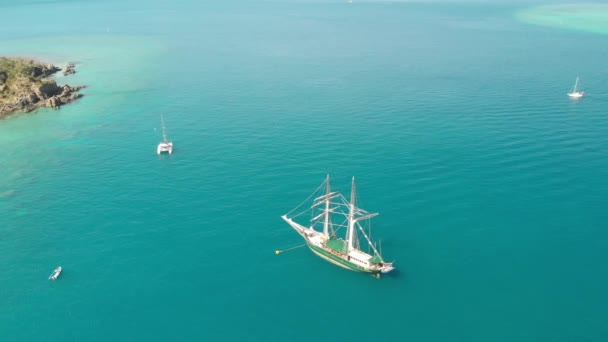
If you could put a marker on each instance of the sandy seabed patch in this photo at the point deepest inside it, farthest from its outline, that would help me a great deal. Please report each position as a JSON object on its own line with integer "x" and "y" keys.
{"x": 582, "y": 17}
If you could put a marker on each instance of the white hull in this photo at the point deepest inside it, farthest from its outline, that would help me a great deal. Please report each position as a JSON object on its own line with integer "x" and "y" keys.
{"x": 164, "y": 147}
{"x": 387, "y": 269}
{"x": 576, "y": 95}
{"x": 55, "y": 273}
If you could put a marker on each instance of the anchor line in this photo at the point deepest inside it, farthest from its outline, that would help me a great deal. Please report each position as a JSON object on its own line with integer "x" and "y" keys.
{"x": 279, "y": 251}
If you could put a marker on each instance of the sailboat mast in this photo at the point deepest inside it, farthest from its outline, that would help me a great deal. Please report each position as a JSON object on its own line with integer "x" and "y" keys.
{"x": 575, "y": 85}
{"x": 163, "y": 122}
{"x": 326, "y": 223}
{"x": 351, "y": 218}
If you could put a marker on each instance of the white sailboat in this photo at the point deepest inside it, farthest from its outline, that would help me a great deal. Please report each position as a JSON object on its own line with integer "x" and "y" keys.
{"x": 164, "y": 146}
{"x": 575, "y": 94}
{"x": 347, "y": 252}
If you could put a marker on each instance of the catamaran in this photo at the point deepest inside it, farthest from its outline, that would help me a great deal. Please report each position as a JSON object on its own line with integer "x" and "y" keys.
{"x": 164, "y": 146}
{"x": 576, "y": 94}
{"x": 345, "y": 252}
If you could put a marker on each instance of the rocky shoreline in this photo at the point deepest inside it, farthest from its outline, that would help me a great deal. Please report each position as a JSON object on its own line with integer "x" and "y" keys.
{"x": 25, "y": 86}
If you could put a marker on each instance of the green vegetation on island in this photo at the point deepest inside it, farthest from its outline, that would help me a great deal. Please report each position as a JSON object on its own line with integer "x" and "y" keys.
{"x": 25, "y": 86}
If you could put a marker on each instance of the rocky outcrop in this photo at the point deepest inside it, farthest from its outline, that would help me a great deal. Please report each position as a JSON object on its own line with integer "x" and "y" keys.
{"x": 66, "y": 95}
{"x": 46, "y": 89}
{"x": 47, "y": 94}
{"x": 53, "y": 102}
{"x": 69, "y": 69}
{"x": 24, "y": 87}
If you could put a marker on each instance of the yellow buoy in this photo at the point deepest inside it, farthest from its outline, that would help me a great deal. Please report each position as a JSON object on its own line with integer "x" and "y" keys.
{"x": 277, "y": 252}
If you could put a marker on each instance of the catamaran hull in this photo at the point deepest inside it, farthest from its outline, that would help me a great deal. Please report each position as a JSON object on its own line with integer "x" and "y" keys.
{"x": 162, "y": 148}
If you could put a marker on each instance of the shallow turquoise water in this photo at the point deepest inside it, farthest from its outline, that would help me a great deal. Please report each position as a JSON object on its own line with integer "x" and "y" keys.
{"x": 491, "y": 184}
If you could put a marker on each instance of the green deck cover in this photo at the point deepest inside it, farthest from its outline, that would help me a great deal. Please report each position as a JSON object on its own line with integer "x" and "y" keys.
{"x": 337, "y": 245}
{"x": 376, "y": 259}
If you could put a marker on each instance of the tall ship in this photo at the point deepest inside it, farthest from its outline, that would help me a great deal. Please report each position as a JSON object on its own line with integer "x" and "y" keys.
{"x": 331, "y": 212}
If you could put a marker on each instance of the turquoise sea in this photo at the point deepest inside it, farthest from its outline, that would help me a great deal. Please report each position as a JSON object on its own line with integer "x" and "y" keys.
{"x": 492, "y": 185}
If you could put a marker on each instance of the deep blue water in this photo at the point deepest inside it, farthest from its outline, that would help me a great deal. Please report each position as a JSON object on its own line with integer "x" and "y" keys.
{"x": 491, "y": 184}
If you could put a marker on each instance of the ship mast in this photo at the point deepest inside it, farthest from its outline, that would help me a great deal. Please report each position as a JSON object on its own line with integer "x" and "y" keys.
{"x": 326, "y": 223}
{"x": 351, "y": 218}
{"x": 163, "y": 122}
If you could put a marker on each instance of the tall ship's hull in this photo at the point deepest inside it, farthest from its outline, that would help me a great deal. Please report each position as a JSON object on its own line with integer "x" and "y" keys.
{"x": 345, "y": 253}
{"x": 339, "y": 259}
{"x": 334, "y": 250}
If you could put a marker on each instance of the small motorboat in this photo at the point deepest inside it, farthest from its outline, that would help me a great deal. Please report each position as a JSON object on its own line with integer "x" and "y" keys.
{"x": 55, "y": 273}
